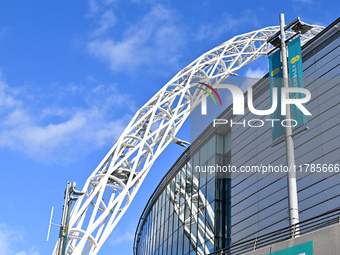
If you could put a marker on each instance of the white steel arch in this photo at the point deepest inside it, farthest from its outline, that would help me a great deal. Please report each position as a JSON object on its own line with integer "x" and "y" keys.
{"x": 113, "y": 184}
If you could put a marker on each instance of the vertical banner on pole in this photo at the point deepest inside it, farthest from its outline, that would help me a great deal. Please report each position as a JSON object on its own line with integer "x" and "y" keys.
{"x": 275, "y": 81}
{"x": 296, "y": 78}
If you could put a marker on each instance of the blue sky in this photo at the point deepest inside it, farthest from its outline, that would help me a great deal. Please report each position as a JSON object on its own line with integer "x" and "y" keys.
{"x": 72, "y": 74}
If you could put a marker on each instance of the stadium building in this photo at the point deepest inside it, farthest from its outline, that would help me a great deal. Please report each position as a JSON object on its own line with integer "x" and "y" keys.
{"x": 199, "y": 211}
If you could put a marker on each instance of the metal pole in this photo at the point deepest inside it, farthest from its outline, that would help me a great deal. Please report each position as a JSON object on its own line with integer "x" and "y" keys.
{"x": 63, "y": 229}
{"x": 69, "y": 206}
{"x": 292, "y": 188}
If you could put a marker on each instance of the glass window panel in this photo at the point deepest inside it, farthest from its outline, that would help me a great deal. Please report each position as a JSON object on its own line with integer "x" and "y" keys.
{"x": 203, "y": 196}
{"x": 164, "y": 248}
{"x": 212, "y": 147}
{"x": 203, "y": 176}
{"x": 193, "y": 229}
{"x": 156, "y": 240}
{"x": 171, "y": 208}
{"x": 160, "y": 249}
{"x": 188, "y": 192}
{"x": 182, "y": 198}
{"x": 175, "y": 221}
{"x": 183, "y": 191}
{"x": 186, "y": 243}
{"x": 211, "y": 190}
{"x": 227, "y": 142}
{"x": 180, "y": 223}
{"x": 163, "y": 215}
{"x": 202, "y": 221}
{"x": 211, "y": 172}
{"x": 218, "y": 189}
{"x": 178, "y": 179}
{"x": 186, "y": 171}
{"x": 153, "y": 213}
{"x": 199, "y": 247}
{"x": 210, "y": 215}
{"x": 170, "y": 244}
{"x": 158, "y": 220}
{"x": 156, "y": 213}
{"x": 164, "y": 197}
{"x": 174, "y": 242}
{"x": 210, "y": 245}
{"x": 177, "y": 195}
{"x": 157, "y": 205}
{"x": 189, "y": 169}
{"x": 166, "y": 209}
{"x": 152, "y": 245}
{"x": 196, "y": 160}
{"x": 194, "y": 201}
{"x": 218, "y": 219}
{"x": 219, "y": 160}
{"x": 160, "y": 199}
{"x": 203, "y": 154}
{"x": 219, "y": 144}
{"x": 187, "y": 214}
{"x": 161, "y": 234}
{"x": 155, "y": 224}
{"x": 171, "y": 223}
{"x": 180, "y": 241}
{"x": 166, "y": 229}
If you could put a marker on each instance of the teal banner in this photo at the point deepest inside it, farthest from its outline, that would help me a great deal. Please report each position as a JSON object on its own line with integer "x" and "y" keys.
{"x": 301, "y": 249}
{"x": 275, "y": 81}
{"x": 296, "y": 78}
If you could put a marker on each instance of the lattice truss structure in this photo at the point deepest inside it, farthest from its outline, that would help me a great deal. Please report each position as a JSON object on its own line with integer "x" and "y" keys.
{"x": 114, "y": 183}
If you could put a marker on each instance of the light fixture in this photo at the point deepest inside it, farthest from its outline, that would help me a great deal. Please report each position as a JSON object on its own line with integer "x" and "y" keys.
{"x": 301, "y": 27}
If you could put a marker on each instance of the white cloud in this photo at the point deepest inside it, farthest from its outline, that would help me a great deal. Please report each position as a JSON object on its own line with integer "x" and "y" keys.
{"x": 256, "y": 73}
{"x": 6, "y": 100}
{"x": 3, "y": 32}
{"x": 304, "y": 1}
{"x": 96, "y": 6}
{"x": 93, "y": 7}
{"x": 107, "y": 20}
{"x": 155, "y": 38}
{"x": 10, "y": 239}
{"x": 57, "y": 132}
{"x": 32, "y": 251}
{"x": 251, "y": 77}
{"x": 119, "y": 236}
{"x": 218, "y": 27}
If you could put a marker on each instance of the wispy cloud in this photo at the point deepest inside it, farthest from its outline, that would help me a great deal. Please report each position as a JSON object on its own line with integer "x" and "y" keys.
{"x": 256, "y": 73}
{"x": 304, "y": 1}
{"x": 154, "y": 38}
{"x": 60, "y": 130}
{"x": 106, "y": 21}
{"x": 10, "y": 239}
{"x": 251, "y": 77}
{"x": 218, "y": 27}
{"x": 3, "y": 32}
{"x": 119, "y": 236}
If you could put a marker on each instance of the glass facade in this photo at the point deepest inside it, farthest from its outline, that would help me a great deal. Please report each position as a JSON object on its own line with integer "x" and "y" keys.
{"x": 191, "y": 213}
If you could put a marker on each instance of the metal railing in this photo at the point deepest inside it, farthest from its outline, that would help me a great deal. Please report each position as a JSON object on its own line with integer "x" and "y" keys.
{"x": 321, "y": 221}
